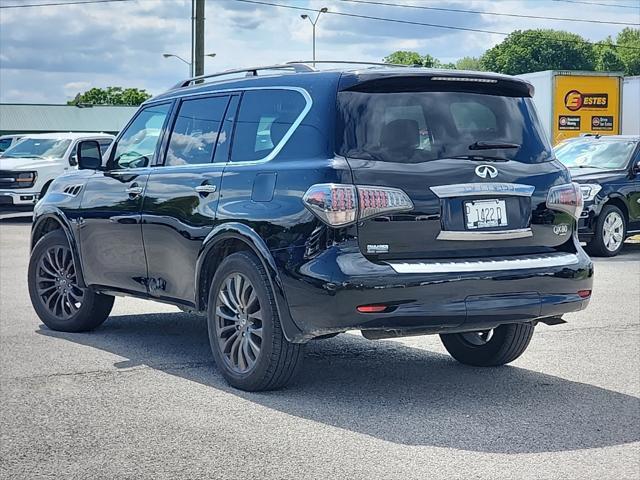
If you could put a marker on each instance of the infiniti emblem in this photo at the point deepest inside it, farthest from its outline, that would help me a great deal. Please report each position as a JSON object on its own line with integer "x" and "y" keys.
{"x": 484, "y": 171}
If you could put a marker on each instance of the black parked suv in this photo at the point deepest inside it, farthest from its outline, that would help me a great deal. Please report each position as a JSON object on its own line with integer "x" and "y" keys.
{"x": 294, "y": 204}
{"x": 608, "y": 171}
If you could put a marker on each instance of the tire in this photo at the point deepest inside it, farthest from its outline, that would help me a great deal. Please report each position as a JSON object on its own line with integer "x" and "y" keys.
{"x": 240, "y": 322}
{"x": 489, "y": 348}
{"x": 608, "y": 244}
{"x": 57, "y": 299}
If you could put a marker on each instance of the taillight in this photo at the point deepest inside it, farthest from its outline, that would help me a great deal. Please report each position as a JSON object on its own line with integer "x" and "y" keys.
{"x": 376, "y": 200}
{"x": 339, "y": 205}
{"x": 566, "y": 198}
{"x": 333, "y": 203}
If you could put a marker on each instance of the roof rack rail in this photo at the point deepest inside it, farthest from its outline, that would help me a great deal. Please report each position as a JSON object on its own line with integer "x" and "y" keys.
{"x": 347, "y": 62}
{"x": 251, "y": 71}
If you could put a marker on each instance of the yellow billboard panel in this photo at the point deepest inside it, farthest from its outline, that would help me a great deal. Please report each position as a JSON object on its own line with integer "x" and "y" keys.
{"x": 585, "y": 104}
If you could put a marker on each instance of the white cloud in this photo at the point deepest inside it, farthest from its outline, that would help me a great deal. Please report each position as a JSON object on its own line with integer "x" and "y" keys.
{"x": 51, "y": 53}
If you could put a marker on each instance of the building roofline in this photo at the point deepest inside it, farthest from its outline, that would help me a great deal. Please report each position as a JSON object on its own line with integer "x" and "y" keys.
{"x": 62, "y": 105}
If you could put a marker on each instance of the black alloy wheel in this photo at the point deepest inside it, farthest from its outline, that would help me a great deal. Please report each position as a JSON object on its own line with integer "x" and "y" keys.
{"x": 55, "y": 292}
{"x": 239, "y": 323}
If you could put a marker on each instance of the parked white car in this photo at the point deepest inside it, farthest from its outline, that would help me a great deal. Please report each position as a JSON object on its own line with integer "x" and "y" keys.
{"x": 28, "y": 167}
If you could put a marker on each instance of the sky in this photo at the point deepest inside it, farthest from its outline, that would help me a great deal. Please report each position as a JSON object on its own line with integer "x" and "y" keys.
{"x": 50, "y": 53}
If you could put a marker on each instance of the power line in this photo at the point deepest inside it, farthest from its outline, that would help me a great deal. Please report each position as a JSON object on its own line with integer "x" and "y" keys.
{"x": 56, "y": 4}
{"x": 369, "y": 17}
{"x": 423, "y": 24}
{"x": 598, "y": 4}
{"x": 480, "y": 12}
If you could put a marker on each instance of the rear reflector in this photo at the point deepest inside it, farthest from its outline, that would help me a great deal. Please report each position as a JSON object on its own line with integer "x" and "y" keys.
{"x": 584, "y": 293}
{"x": 339, "y": 204}
{"x": 371, "y": 308}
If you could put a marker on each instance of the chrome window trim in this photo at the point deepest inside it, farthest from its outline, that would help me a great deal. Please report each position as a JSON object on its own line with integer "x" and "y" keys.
{"x": 468, "y": 235}
{"x": 497, "y": 264}
{"x": 483, "y": 189}
{"x": 284, "y": 140}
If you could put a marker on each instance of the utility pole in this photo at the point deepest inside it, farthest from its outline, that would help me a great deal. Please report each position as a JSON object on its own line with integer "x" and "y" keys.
{"x": 198, "y": 61}
{"x": 193, "y": 20}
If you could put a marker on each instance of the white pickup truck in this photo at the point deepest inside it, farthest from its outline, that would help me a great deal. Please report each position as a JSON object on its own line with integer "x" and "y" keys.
{"x": 28, "y": 167}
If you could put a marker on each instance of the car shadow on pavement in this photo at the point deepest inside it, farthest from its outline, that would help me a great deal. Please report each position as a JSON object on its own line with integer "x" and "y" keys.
{"x": 630, "y": 252}
{"x": 393, "y": 392}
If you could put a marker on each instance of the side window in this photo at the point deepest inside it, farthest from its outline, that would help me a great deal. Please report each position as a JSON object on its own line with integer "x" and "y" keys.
{"x": 138, "y": 143}
{"x": 4, "y": 144}
{"x": 264, "y": 118}
{"x": 196, "y": 131}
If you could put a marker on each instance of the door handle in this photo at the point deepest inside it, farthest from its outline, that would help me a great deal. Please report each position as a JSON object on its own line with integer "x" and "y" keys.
{"x": 134, "y": 190}
{"x": 206, "y": 188}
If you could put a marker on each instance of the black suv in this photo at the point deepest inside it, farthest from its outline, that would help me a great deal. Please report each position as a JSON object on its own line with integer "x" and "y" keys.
{"x": 608, "y": 170}
{"x": 293, "y": 204}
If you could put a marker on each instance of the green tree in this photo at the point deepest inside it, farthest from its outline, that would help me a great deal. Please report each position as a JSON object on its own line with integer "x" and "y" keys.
{"x": 111, "y": 96}
{"x": 469, "y": 63}
{"x": 535, "y": 50}
{"x": 607, "y": 58}
{"x": 629, "y": 37}
{"x": 403, "y": 57}
{"x": 430, "y": 62}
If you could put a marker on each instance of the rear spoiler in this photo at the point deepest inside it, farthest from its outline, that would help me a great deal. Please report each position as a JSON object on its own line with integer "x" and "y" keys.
{"x": 490, "y": 84}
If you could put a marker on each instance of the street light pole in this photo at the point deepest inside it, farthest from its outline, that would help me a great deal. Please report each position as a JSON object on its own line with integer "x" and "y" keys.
{"x": 313, "y": 25}
{"x": 189, "y": 64}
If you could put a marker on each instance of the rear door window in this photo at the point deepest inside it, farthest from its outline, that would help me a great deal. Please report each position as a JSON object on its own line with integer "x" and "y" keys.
{"x": 264, "y": 118}
{"x": 196, "y": 131}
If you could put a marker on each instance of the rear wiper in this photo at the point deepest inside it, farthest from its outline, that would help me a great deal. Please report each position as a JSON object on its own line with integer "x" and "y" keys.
{"x": 492, "y": 145}
{"x": 481, "y": 158}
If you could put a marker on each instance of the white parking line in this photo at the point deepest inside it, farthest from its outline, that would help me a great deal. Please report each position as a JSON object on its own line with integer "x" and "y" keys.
{"x": 7, "y": 216}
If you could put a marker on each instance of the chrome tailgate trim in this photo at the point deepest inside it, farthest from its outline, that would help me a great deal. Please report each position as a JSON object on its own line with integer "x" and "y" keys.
{"x": 496, "y": 264}
{"x": 474, "y": 235}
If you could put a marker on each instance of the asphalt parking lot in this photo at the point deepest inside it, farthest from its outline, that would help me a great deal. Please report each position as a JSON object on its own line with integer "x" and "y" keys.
{"x": 141, "y": 398}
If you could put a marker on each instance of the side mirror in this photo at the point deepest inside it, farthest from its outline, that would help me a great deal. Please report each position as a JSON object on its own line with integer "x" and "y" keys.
{"x": 89, "y": 156}
{"x": 636, "y": 168}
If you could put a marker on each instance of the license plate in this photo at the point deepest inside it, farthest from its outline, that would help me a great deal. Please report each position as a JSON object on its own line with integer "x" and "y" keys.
{"x": 486, "y": 213}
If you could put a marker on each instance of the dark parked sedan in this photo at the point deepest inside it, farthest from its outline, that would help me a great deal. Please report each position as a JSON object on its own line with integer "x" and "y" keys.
{"x": 608, "y": 171}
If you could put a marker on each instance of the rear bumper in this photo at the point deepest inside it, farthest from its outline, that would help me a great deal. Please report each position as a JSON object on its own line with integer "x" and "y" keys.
{"x": 323, "y": 293}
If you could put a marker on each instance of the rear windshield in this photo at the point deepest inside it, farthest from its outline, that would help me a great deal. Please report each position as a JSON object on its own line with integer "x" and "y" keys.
{"x": 414, "y": 127}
